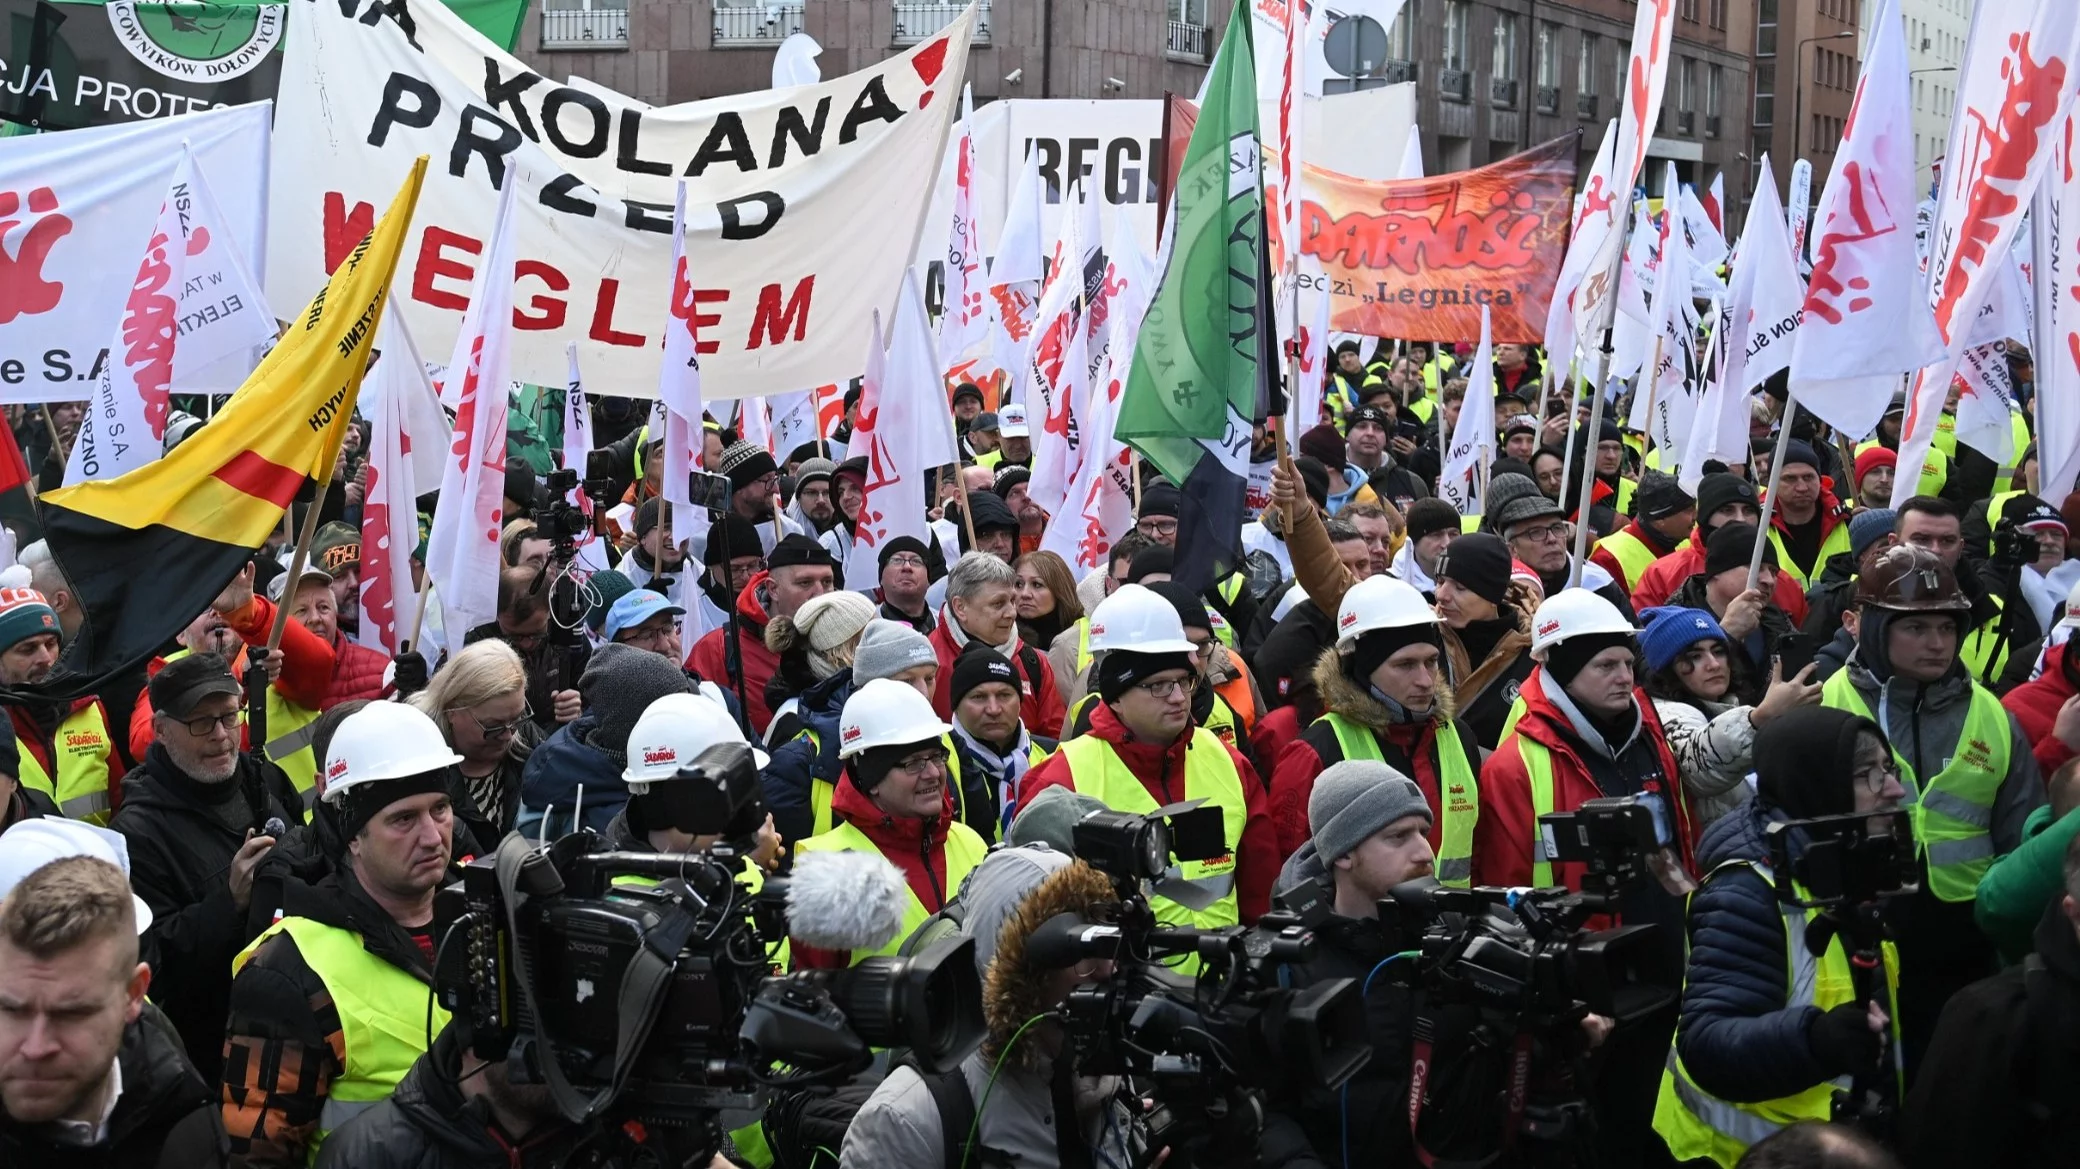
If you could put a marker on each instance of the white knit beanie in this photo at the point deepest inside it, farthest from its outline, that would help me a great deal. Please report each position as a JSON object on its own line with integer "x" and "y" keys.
{"x": 833, "y": 619}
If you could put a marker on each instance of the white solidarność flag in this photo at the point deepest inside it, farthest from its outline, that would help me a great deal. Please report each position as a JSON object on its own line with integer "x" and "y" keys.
{"x": 192, "y": 304}
{"x": 2013, "y": 92}
{"x": 1603, "y": 208}
{"x": 462, "y": 550}
{"x": 1797, "y": 205}
{"x": 577, "y": 424}
{"x": 903, "y": 426}
{"x": 779, "y": 183}
{"x": 1014, "y": 282}
{"x": 964, "y": 325}
{"x": 2055, "y": 224}
{"x": 679, "y": 390}
{"x": 1666, "y": 419}
{"x": 77, "y": 208}
{"x": 1473, "y": 439}
{"x": 1561, "y": 339}
{"x": 1305, "y": 408}
{"x": 1058, "y": 379}
{"x": 1867, "y": 320}
{"x": 405, "y": 420}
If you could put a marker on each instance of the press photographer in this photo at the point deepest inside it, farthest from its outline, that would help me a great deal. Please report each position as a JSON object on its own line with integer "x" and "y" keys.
{"x": 1776, "y": 1021}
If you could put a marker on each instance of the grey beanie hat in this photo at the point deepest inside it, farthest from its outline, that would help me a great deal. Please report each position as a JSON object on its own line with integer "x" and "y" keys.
{"x": 813, "y": 469}
{"x": 992, "y": 893}
{"x": 1512, "y": 499}
{"x": 1050, "y": 818}
{"x": 1356, "y": 798}
{"x": 887, "y": 648}
{"x": 619, "y": 684}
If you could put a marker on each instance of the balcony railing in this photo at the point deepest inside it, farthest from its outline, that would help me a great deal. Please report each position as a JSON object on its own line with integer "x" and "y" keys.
{"x": 597, "y": 28}
{"x": 1502, "y": 93}
{"x": 1585, "y": 106}
{"x": 1548, "y": 99}
{"x": 1395, "y": 72}
{"x": 755, "y": 25}
{"x": 1711, "y": 125}
{"x": 1454, "y": 84}
{"x": 1686, "y": 122}
{"x": 1188, "y": 42}
{"x": 917, "y": 22}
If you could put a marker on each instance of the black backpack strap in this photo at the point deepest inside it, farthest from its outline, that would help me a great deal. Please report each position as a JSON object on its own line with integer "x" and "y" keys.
{"x": 956, "y": 1105}
{"x": 1029, "y": 660}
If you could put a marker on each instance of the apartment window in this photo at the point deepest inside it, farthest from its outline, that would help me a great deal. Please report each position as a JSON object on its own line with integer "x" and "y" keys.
{"x": 1548, "y": 55}
{"x": 1585, "y": 65}
{"x": 1455, "y": 34}
{"x": 1765, "y": 95}
{"x": 1714, "y": 84}
{"x": 1689, "y": 11}
{"x": 1686, "y": 85}
{"x": 1400, "y": 38}
{"x": 1503, "y": 63}
{"x": 1765, "y": 28}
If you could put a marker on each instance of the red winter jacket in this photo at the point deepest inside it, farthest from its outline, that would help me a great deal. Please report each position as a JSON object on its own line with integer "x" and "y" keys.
{"x": 2035, "y": 706}
{"x": 357, "y": 672}
{"x": 1040, "y": 707}
{"x": 918, "y": 847}
{"x": 1256, "y": 857}
{"x": 1663, "y": 577}
{"x": 1502, "y": 835}
{"x": 307, "y": 668}
{"x": 710, "y": 655}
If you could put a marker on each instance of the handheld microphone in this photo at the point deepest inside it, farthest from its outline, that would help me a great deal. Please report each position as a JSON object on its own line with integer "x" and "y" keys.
{"x": 845, "y": 900}
{"x": 274, "y": 827}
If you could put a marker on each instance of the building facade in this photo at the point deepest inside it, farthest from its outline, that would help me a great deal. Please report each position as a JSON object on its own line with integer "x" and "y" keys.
{"x": 1935, "y": 52}
{"x": 1806, "y": 65}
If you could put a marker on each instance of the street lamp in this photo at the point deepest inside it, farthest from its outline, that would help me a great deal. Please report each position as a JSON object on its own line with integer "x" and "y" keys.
{"x": 1798, "y": 92}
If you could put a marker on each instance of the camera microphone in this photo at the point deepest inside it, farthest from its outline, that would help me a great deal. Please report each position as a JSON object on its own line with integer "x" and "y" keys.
{"x": 845, "y": 901}
{"x": 274, "y": 827}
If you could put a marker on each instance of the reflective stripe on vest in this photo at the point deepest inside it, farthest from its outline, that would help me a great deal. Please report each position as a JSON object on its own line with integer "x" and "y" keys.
{"x": 80, "y": 749}
{"x": 821, "y": 790}
{"x": 1083, "y": 644}
{"x": 1983, "y": 652}
{"x": 1953, "y": 816}
{"x": 1200, "y": 894}
{"x": 1455, "y": 778}
{"x": 383, "y": 1016}
{"x": 1831, "y": 545}
{"x": 1538, "y": 769}
{"x": 964, "y": 850}
{"x": 291, "y": 726}
{"x": 1633, "y": 555}
{"x": 1697, "y": 1125}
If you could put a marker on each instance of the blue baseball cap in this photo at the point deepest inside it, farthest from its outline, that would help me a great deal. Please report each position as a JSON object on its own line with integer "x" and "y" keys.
{"x": 635, "y": 607}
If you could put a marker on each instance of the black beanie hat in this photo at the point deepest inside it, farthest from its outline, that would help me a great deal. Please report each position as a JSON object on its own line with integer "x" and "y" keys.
{"x": 1733, "y": 546}
{"x": 1122, "y": 669}
{"x": 1429, "y": 515}
{"x": 1152, "y": 559}
{"x": 364, "y": 802}
{"x": 1660, "y": 496}
{"x": 976, "y": 665}
{"x": 910, "y": 544}
{"x": 1478, "y": 562}
{"x": 1374, "y": 648}
{"x": 734, "y": 534}
{"x": 796, "y": 549}
{"x": 1805, "y": 760}
{"x": 1161, "y": 499}
{"x": 1566, "y": 659}
{"x": 1190, "y": 609}
{"x": 1716, "y": 490}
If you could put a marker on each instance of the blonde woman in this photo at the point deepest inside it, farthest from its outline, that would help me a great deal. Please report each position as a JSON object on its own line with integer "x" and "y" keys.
{"x": 479, "y": 700}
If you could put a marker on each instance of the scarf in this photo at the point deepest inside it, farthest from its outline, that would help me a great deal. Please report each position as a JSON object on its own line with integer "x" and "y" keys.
{"x": 1005, "y": 769}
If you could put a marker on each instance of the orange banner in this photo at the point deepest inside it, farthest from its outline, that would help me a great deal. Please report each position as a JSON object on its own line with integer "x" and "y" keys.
{"x": 1417, "y": 258}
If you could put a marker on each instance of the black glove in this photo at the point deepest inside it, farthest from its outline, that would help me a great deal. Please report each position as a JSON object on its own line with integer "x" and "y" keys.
{"x": 1842, "y": 1039}
{"x": 411, "y": 673}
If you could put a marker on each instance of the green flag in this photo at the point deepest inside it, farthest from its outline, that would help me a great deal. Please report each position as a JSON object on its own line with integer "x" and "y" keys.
{"x": 1198, "y": 370}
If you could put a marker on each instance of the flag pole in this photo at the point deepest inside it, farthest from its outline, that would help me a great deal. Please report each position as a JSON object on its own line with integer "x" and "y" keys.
{"x": 418, "y": 616}
{"x": 1573, "y": 424}
{"x": 299, "y": 559}
{"x": 57, "y": 443}
{"x": 967, "y": 513}
{"x": 1653, "y": 385}
{"x": 1769, "y": 497}
{"x": 1595, "y": 425}
{"x": 1277, "y": 422}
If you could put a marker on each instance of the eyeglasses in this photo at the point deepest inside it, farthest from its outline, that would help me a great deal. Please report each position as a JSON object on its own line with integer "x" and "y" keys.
{"x": 1873, "y": 778}
{"x": 648, "y": 638}
{"x": 201, "y": 727}
{"x": 923, "y": 763}
{"x": 1164, "y": 527}
{"x": 1162, "y": 688}
{"x": 1202, "y": 649}
{"x": 1541, "y": 535}
{"x": 496, "y": 730}
{"x": 906, "y": 560}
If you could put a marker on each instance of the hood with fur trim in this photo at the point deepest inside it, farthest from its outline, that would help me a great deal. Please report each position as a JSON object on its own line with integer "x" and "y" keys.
{"x": 1015, "y": 990}
{"x": 1354, "y": 701}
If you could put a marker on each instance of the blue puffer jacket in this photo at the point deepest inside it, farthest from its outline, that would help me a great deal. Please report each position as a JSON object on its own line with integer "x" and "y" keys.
{"x": 801, "y": 760}
{"x": 1736, "y": 1037}
{"x": 553, "y": 774}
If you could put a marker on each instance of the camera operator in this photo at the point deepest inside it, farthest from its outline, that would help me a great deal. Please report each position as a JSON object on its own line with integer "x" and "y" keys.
{"x": 353, "y": 956}
{"x": 1027, "y": 1101}
{"x": 2029, "y": 542}
{"x": 1767, "y": 1026}
{"x": 619, "y": 684}
{"x": 898, "y": 800}
{"x": 670, "y": 734}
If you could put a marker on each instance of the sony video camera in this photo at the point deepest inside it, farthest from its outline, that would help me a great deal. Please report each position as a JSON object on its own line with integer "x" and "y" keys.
{"x": 638, "y": 986}
{"x": 1195, "y": 1018}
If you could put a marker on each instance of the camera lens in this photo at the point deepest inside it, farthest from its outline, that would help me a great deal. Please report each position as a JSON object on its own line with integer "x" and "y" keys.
{"x": 930, "y": 1003}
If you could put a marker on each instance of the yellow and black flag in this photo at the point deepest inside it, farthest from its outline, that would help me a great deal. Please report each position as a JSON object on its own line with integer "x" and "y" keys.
{"x": 146, "y": 552}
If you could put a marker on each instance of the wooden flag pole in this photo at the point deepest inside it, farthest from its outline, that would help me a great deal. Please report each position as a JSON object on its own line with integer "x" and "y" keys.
{"x": 57, "y": 443}
{"x": 967, "y": 513}
{"x": 1769, "y": 497}
{"x": 418, "y": 616}
{"x": 1653, "y": 385}
{"x": 297, "y": 561}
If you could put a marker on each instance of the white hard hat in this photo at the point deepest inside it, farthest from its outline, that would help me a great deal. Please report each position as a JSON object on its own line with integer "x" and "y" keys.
{"x": 1138, "y": 619}
{"x": 1380, "y": 602}
{"x": 383, "y": 740}
{"x": 32, "y": 844}
{"x": 886, "y": 713}
{"x": 1572, "y": 613}
{"x": 672, "y": 732}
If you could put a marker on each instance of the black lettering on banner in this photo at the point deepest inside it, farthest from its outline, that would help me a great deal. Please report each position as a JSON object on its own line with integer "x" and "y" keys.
{"x": 1076, "y": 169}
{"x": 507, "y": 93}
{"x": 643, "y": 216}
{"x": 1122, "y": 182}
{"x": 396, "y": 10}
{"x": 595, "y": 144}
{"x": 557, "y": 196}
{"x": 419, "y": 113}
{"x": 1049, "y": 165}
{"x": 807, "y": 138}
{"x": 726, "y": 142}
{"x": 872, "y": 105}
{"x": 498, "y": 140}
{"x": 626, "y": 157}
{"x": 11, "y": 372}
{"x": 733, "y": 225}
{"x": 57, "y": 365}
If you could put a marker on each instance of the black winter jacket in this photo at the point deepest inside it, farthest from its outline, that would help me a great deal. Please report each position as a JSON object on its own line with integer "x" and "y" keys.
{"x": 1284, "y": 664}
{"x": 1737, "y": 1038}
{"x": 166, "y": 1118}
{"x": 1829, "y": 596}
{"x": 180, "y": 860}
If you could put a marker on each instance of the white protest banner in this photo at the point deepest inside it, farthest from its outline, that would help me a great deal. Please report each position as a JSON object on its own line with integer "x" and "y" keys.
{"x": 390, "y": 512}
{"x": 1473, "y": 439}
{"x": 805, "y": 416}
{"x": 462, "y": 548}
{"x": 1598, "y": 233}
{"x": 78, "y": 206}
{"x": 1799, "y": 204}
{"x": 1665, "y": 411}
{"x": 1765, "y": 334}
{"x": 904, "y": 425}
{"x": 1706, "y": 244}
{"x": 1560, "y": 336}
{"x": 1014, "y": 283}
{"x": 191, "y": 304}
{"x": 2055, "y": 287}
{"x": 964, "y": 326}
{"x": 1867, "y": 321}
{"x": 776, "y": 183}
{"x": 577, "y": 426}
{"x": 2013, "y": 90}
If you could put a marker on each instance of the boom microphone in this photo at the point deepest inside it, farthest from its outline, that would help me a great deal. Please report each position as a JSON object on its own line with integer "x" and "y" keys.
{"x": 845, "y": 900}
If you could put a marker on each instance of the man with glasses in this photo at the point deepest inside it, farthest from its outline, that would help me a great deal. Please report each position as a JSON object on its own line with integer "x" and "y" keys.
{"x": 1143, "y": 752}
{"x": 523, "y": 623}
{"x": 905, "y": 576}
{"x": 647, "y": 621}
{"x": 196, "y": 813}
{"x": 1540, "y": 537}
{"x": 733, "y": 540}
{"x": 754, "y": 480}
{"x": 814, "y": 506}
